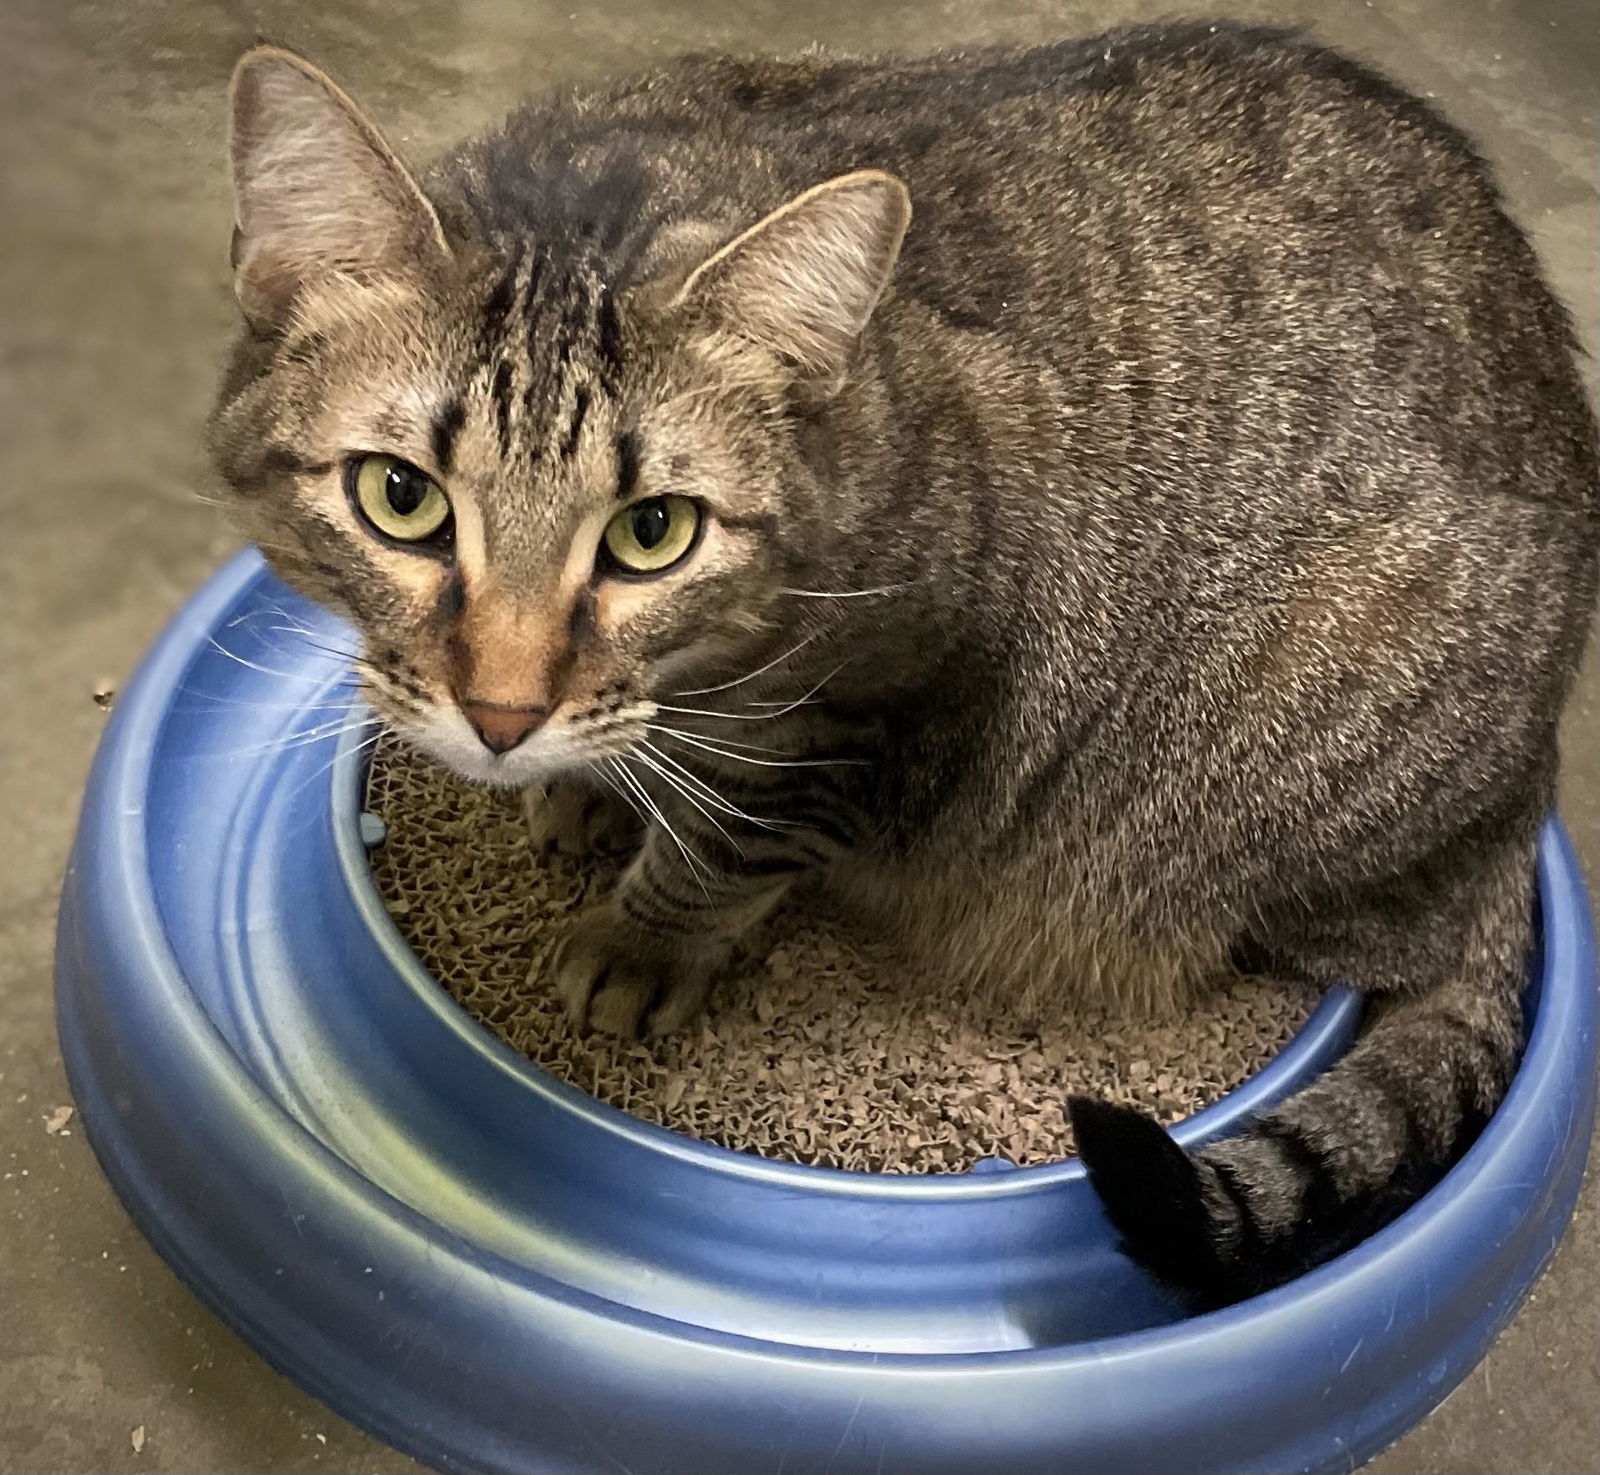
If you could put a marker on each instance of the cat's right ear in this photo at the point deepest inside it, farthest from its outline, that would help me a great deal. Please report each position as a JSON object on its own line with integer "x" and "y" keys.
{"x": 316, "y": 190}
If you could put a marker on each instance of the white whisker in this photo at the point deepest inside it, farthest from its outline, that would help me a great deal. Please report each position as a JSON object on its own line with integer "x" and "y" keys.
{"x": 308, "y": 637}
{"x": 224, "y": 702}
{"x": 696, "y": 865}
{"x": 726, "y": 742}
{"x": 678, "y": 787}
{"x": 707, "y": 792}
{"x": 289, "y": 742}
{"x": 782, "y": 708}
{"x": 845, "y": 593}
{"x": 265, "y": 670}
{"x": 708, "y": 746}
{"x": 703, "y": 691}
{"x": 598, "y": 770}
{"x": 363, "y": 746}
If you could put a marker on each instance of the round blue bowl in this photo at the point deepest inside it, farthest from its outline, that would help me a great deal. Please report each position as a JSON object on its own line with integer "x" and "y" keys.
{"x": 494, "y": 1272}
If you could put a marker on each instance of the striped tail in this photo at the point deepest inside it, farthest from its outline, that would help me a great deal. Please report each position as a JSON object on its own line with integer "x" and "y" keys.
{"x": 1319, "y": 1172}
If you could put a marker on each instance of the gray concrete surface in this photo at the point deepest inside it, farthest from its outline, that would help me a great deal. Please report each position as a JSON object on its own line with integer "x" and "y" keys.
{"x": 113, "y": 311}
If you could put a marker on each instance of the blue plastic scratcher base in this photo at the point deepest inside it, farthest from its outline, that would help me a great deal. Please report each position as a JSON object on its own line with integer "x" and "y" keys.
{"x": 494, "y": 1272}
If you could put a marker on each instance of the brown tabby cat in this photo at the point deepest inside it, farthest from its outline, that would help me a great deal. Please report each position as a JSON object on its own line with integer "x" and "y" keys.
{"x": 1176, "y": 541}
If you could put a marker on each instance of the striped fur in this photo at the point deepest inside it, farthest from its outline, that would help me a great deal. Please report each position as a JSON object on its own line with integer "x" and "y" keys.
{"x": 1187, "y": 552}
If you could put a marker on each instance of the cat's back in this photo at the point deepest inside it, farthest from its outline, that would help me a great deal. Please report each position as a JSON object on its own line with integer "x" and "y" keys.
{"x": 1199, "y": 233}
{"x": 1144, "y": 141}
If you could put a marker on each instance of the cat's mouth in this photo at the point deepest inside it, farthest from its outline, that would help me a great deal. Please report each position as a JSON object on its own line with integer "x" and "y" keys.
{"x": 548, "y": 751}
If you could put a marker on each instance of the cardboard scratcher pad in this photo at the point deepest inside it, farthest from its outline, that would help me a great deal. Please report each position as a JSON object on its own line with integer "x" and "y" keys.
{"x": 822, "y": 1050}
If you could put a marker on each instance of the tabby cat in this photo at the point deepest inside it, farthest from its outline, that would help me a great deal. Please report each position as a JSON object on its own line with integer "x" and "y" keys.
{"x": 1171, "y": 544}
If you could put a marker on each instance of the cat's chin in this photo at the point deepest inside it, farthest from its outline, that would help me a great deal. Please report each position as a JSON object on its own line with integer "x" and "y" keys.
{"x": 539, "y": 760}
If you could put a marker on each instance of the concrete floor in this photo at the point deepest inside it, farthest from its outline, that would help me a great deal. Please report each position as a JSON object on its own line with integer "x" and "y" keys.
{"x": 114, "y": 308}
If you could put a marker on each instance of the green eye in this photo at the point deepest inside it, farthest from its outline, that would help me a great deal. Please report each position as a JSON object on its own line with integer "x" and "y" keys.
{"x": 652, "y": 535}
{"x": 398, "y": 499}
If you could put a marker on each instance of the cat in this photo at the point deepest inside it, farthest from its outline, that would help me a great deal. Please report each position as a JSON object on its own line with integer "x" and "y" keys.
{"x": 1126, "y": 508}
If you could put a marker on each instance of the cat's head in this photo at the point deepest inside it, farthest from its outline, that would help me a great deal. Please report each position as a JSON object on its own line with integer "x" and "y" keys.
{"x": 542, "y": 501}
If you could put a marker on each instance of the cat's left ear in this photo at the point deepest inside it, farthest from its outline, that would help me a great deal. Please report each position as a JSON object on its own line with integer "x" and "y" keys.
{"x": 317, "y": 191}
{"x": 803, "y": 282}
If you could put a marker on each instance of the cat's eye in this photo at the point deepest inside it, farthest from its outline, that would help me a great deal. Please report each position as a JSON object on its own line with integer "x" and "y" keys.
{"x": 650, "y": 536}
{"x": 397, "y": 498}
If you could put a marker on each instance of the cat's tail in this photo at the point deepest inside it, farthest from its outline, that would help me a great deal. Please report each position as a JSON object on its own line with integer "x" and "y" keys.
{"x": 1318, "y": 1172}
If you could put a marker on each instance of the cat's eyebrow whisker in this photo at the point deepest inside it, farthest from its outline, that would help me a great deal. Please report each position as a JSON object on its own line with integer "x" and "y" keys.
{"x": 703, "y": 691}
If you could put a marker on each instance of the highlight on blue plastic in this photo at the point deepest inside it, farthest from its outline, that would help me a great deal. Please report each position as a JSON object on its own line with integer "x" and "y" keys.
{"x": 494, "y": 1272}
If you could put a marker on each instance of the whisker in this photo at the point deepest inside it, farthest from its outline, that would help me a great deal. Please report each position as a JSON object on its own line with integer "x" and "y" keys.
{"x": 702, "y": 691}
{"x": 291, "y": 621}
{"x": 307, "y": 637}
{"x": 293, "y": 740}
{"x": 222, "y": 702}
{"x": 696, "y": 865}
{"x": 677, "y": 786}
{"x": 710, "y": 793}
{"x": 703, "y": 712}
{"x": 698, "y": 742}
{"x": 363, "y": 746}
{"x": 265, "y": 670}
{"x": 595, "y": 767}
{"x": 333, "y": 650}
{"x": 782, "y": 707}
{"x": 845, "y": 593}
{"x": 727, "y": 742}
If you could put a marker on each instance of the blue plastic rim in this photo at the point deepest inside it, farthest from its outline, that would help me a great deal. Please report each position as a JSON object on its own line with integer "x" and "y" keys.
{"x": 494, "y": 1272}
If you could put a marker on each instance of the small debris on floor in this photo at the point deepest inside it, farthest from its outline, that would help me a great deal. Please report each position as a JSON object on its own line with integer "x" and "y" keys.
{"x": 56, "y": 1123}
{"x": 137, "y": 1439}
{"x": 105, "y": 695}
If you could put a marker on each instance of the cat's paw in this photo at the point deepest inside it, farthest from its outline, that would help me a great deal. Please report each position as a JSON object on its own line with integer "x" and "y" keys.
{"x": 616, "y": 980}
{"x": 575, "y": 820}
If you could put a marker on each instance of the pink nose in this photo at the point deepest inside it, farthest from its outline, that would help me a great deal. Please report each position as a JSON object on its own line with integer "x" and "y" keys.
{"x": 500, "y": 726}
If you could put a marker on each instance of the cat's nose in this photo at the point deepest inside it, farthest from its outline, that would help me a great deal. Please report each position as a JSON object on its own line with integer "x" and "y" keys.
{"x": 500, "y": 726}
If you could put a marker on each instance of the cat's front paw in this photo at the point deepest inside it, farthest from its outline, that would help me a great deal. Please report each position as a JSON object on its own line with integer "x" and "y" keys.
{"x": 575, "y": 820}
{"x": 615, "y": 979}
